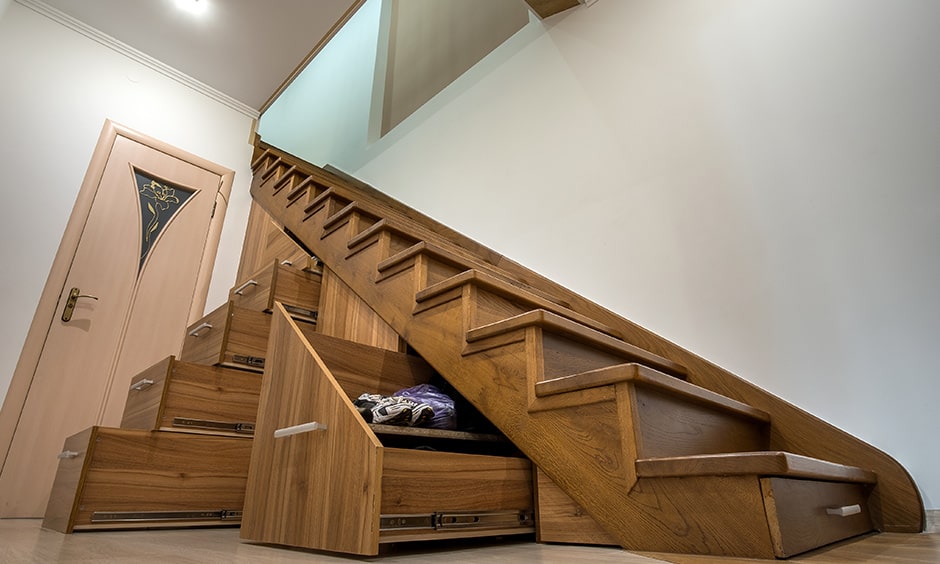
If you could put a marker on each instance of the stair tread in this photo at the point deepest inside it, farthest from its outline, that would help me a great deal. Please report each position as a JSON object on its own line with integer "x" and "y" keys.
{"x": 764, "y": 463}
{"x": 643, "y": 375}
{"x": 578, "y": 331}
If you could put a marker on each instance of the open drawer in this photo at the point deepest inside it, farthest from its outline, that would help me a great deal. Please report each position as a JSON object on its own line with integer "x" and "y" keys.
{"x": 228, "y": 336}
{"x": 298, "y": 290}
{"x": 127, "y": 478}
{"x": 328, "y": 482}
{"x": 182, "y": 396}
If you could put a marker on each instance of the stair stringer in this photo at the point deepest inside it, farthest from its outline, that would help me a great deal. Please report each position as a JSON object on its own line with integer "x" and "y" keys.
{"x": 794, "y": 430}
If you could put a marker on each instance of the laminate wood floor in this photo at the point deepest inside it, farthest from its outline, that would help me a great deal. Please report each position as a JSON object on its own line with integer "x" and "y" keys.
{"x": 24, "y": 541}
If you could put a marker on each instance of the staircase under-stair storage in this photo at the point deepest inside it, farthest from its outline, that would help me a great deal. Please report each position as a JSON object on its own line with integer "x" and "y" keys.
{"x": 182, "y": 453}
{"x": 323, "y": 478}
{"x": 665, "y": 451}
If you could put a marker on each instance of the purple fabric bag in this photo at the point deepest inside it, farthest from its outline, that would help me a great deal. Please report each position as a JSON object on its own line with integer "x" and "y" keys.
{"x": 445, "y": 417}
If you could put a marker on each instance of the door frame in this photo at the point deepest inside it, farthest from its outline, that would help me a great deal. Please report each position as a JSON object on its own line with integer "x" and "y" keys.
{"x": 44, "y": 317}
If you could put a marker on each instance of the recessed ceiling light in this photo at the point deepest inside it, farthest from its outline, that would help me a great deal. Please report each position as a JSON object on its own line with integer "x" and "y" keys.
{"x": 193, "y": 6}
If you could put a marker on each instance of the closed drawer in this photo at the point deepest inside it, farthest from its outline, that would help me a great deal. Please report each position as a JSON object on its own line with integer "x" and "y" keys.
{"x": 229, "y": 336}
{"x": 191, "y": 397}
{"x": 298, "y": 290}
{"x": 126, "y": 478}
{"x": 807, "y": 514}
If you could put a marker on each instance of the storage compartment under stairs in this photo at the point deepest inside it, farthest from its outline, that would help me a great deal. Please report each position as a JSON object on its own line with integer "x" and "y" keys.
{"x": 664, "y": 450}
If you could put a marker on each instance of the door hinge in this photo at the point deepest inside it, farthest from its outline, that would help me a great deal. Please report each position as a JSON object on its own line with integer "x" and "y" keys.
{"x": 215, "y": 204}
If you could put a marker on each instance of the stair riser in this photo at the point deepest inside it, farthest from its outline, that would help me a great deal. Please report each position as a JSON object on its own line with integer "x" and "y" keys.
{"x": 667, "y": 425}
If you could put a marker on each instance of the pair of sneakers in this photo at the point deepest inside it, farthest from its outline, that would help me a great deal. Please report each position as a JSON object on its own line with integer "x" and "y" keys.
{"x": 393, "y": 410}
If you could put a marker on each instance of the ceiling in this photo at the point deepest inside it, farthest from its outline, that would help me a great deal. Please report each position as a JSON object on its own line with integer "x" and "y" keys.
{"x": 246, "y": 49}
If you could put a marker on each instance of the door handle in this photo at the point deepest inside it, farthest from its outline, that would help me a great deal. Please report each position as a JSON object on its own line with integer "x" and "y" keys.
{"x": 74, "y": 294}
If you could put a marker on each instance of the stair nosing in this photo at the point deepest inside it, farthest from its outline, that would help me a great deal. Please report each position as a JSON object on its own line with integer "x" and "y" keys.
{"x": 761, "y": 463}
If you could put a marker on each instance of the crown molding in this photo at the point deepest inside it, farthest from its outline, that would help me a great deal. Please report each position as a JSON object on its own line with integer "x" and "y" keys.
{"x": 124, "y": 49}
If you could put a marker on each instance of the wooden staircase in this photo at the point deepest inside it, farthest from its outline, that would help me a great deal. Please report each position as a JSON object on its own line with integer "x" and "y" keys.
{"x": 666, "y": 451}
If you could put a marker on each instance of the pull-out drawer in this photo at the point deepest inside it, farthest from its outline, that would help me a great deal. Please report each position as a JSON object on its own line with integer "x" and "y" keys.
{"x": 807, "y": 514}
{"x": 229, "y": 336}
{"x": 192, "y": 397}
{"x": 125, "y": 478}
{"x": 321, "y": 477}
{"x": 298, "y": 290}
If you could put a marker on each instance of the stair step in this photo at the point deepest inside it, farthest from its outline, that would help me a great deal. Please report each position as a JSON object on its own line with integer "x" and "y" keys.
{"x": 504, "y": 287}
{"x": 319, "y": 201}
{"x": 344, "y": 215}
{"x": 567, "y": 328}
{"x": 764, "y": 463}
{"x": 301, "y": 189}
{"x": 642, "y": 375}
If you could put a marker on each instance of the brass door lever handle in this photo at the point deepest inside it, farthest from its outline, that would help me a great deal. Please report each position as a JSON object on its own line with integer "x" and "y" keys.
{"x": 74, "y": 294}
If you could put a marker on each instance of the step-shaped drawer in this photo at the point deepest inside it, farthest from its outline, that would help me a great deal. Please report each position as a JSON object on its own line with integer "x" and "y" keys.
{"x": 126, "y": 478}
{"x": 229, "y": 336}
{"x": 808, "y": 514}
{"x": 183, "y": 396}
{"x": 298, "y": 290}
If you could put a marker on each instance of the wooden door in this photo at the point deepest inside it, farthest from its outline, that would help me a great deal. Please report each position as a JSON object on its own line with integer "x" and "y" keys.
{"x": 136, "y": 253}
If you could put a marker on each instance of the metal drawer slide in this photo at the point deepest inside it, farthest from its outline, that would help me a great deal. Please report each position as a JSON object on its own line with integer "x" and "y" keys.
{"x": 456, "y": 520}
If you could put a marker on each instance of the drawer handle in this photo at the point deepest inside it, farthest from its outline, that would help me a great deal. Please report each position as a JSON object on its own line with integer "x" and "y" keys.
{"x": 67, "y": 454}
{"x": 238, "y": 291}
{"x": 286, "y": 263}
{"x": 141, "y": 384}
{"x": 297, "y": 429}
{"x": 195, "y": 332}
{"x": 845, "y": 510}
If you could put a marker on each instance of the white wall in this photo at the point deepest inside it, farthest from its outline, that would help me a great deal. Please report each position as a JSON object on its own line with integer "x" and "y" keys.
{"x": 756, "y": 180}
{"x": 58, "y": 89}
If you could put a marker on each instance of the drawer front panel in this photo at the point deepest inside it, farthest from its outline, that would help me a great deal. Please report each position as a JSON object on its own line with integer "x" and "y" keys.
{"x": 145, "y": 396}
{"x": 205, "y": 338}
{"x": 806, "y": 514}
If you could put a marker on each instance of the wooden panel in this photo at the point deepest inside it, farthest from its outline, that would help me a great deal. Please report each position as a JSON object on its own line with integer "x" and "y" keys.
{"x": 798, "y": 517}
{"x": 560, "y": 519}
{"x": 548, "y": 8}
{"x": 194, "y": 391}
{"x": 141, "y": 471}
{"x": 265, "y": 242}
{"x": 231, "y": 334}
{"x": 362, "y": 368}
{"x": 318, "y": 489}
{"x": 343, "y": 314}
